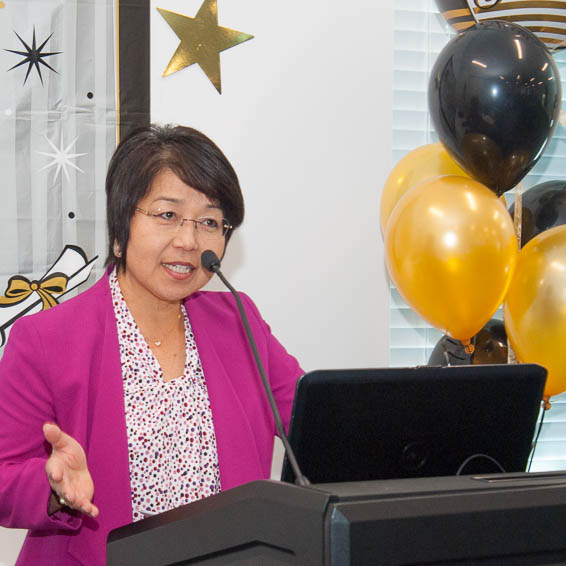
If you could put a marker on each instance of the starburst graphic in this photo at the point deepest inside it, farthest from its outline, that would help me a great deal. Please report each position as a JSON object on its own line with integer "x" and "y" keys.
{"x": 33, "y": 56}
{"x": 61, "y": 157}
{"x": 202, "y": 40}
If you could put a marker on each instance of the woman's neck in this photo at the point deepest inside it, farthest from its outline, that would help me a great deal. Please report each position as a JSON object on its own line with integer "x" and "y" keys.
{"x": 148, "y": 311}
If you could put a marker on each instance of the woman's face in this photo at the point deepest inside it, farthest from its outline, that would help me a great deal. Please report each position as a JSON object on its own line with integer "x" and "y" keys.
{"x": 163, "y": 261}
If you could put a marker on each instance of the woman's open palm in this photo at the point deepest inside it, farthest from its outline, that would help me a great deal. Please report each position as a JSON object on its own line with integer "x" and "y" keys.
{"x": 67, "y": 471}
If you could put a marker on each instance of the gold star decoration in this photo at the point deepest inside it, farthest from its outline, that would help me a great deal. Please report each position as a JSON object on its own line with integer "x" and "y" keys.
{"x": 202, "y": 40}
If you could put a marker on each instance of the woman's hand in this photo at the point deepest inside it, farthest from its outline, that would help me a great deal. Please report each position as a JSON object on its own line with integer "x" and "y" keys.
{"x": 67, "y": 471}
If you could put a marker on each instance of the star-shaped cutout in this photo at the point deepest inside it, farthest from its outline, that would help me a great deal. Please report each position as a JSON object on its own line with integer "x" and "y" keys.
{"x": 202, "y": 40}
{"x": 33, "y": 56}
{"x": 61, "y": 157}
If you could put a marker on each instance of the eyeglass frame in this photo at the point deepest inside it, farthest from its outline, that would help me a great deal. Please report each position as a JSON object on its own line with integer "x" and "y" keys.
{"x": 226, "y": 226}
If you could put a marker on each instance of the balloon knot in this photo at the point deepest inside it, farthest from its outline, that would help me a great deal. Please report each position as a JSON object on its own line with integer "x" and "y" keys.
{"x": 469, "y": 348}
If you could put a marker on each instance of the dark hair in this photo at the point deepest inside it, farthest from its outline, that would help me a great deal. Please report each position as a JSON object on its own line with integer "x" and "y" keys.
{"x": 188, "y": 153}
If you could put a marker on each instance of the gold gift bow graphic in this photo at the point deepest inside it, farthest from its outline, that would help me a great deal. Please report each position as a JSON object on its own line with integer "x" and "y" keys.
{"x": 72, "y": 264}
{"x": 20, "y": 288}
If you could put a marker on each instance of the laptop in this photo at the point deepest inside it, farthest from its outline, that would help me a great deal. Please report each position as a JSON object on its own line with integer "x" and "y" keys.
{"x": 386, "y": 423}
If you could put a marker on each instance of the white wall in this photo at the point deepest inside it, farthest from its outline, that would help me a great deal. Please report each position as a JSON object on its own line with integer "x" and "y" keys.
{"x": 305, "y": 118}
{"x": 10, "y": 543}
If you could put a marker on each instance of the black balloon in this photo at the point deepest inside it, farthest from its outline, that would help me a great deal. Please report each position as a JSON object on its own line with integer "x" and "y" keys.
{"x": 490, "y": 348}
{"x": 543, "y": 207}
{"x": 494, "y": 98}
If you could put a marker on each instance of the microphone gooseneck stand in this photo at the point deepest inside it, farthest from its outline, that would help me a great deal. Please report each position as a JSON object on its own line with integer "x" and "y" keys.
{"x": 211, "y": 262}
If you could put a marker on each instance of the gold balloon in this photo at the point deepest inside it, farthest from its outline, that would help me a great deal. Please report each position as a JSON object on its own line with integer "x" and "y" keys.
{"x": 535, "y": 306}
{"x": 425, "y": 162}
{"x": 451, "y": 249}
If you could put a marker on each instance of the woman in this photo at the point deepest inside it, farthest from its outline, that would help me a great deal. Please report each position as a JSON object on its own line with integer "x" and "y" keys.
{"x": 144, "y": 386}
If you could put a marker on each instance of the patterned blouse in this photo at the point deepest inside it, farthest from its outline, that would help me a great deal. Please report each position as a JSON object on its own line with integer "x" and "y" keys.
{"x": 171, "y": 442}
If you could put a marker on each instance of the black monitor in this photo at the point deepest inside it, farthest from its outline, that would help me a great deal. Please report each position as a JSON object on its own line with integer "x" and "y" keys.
{"x": 389, "y": 423}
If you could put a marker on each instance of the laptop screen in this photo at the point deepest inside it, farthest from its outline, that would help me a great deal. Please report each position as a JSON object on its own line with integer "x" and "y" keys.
{"x": 368, "y": 424}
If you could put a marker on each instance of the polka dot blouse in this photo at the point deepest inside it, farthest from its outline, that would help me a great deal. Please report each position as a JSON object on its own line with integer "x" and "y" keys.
{"x": 171, "y": 441}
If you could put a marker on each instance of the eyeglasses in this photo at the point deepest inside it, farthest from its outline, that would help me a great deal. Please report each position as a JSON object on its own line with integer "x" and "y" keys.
{"x": 208, "y": 228}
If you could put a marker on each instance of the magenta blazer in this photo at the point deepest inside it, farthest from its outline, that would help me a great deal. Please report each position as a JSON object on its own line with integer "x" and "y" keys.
{"x": 63, "y": 365}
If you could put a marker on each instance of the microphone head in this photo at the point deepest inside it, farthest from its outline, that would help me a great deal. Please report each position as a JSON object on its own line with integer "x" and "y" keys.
{"x": 210, "y": 261}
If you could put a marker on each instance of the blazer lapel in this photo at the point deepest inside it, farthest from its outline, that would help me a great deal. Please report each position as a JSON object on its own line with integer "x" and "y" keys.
{"x": 238, "y": 458}
{"x": 107, "y": 439}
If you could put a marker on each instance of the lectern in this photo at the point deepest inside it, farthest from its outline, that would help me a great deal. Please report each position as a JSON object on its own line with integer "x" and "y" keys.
{"x": 512, "y": 519}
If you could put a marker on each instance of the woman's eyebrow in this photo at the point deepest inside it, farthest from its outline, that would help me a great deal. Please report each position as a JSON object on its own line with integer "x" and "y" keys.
{"x": 172, "y": 200}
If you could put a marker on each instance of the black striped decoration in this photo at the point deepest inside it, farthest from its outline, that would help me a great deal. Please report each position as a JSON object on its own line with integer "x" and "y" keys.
{"x": 545, "y": 18}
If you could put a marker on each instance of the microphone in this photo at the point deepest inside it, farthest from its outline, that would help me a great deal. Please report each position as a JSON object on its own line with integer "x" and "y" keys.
{"x": 211, "y": 263}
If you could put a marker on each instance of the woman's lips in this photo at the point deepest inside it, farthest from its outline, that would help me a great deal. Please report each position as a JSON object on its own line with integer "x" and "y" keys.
{"x": 179, "y": 270}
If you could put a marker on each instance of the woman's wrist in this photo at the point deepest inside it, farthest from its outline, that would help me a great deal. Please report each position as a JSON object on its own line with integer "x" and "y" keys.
{"x": 53, "y": 505}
